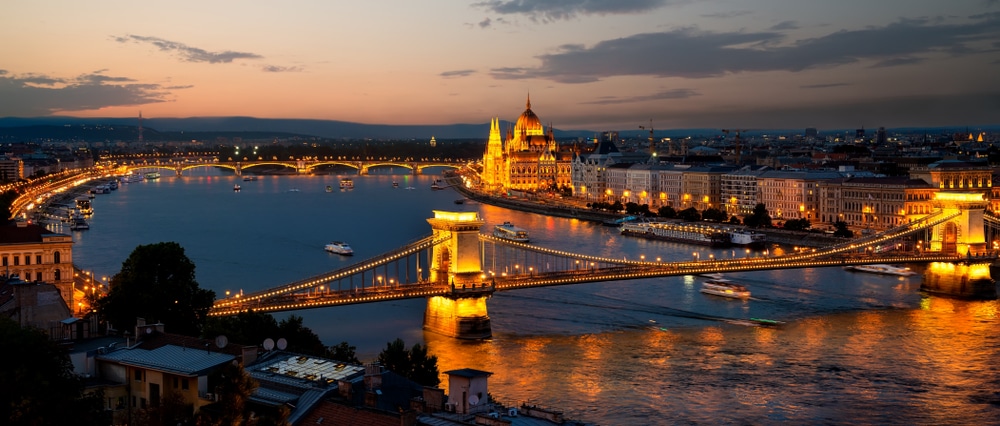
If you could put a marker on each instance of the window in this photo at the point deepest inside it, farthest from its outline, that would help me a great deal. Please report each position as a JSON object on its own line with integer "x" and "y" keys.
{"x": 5, "y": 261}
{"x": 184, "y": 383}
{"x": 27, "y": 259}
{"x": 17, "y": 260}
{"x": 58, "y": 275}
{"x": 38, "y": 276}
{"x": 138, "y": 375}
{"x": 38, "y": 259}
{"x": 55, "y": 258}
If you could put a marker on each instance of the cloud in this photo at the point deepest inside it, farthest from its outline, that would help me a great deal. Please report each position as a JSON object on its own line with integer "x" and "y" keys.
{"x": 668, "y": 94}
{"x": 785, "y": 25}
{"x": 692, "y": 53}
{"x": 723, "y": 15}
{"x": 457, "y": 73}
{"x": 895, "y": 62}
{"x": 277, "y": 68}
{"x": 485, "y": 23}
{"x": 554, "y": 10}
{"x": 188, "y": 53}
{"x": 824, "y": 85}
{"x": 34, "y": 95}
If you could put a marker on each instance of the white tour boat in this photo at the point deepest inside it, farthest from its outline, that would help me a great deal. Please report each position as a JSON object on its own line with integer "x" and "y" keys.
{"x": 882, "y": 269}
{"x": 339, "y": 247}
{"x": 725, "y": 288}
{"x": 510, "y": 232}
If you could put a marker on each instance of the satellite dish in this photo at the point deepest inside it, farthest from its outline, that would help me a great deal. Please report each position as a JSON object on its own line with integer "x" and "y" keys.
{"x": 282, "y": 344}
{"x": 221, "y": 341}
{"x": 268, "y": 344}
{"x": 473, "y": 400}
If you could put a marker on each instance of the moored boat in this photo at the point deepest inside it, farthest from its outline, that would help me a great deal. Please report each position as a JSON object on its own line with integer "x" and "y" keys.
{"x": 249, "y": 178}
{"x": 510, "y": 232}
{"x": 882, "y": 269}
{"x": 79, "y": 224}
{"x": 725, "y": 288}
{"x": 748, "y": 238}
{"x": 678, "y": 232}
{"x": 339, "y": 247}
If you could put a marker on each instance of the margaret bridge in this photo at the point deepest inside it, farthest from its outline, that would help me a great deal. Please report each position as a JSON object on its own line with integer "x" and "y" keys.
{"x": 457, "y": 268}
{"x": 303, "y": 166}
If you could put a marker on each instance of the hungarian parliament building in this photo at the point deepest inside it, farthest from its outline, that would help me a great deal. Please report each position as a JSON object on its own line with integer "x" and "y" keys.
{"x": 528, "y": 159}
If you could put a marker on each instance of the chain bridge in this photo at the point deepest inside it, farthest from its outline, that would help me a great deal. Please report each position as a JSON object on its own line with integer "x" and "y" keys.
{"x": 457, "y": 268}
{"x": 180, "y": 165}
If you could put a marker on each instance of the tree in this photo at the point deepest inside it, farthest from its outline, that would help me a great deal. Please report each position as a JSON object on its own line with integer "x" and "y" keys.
{"x": 689, "y": 214}
{"x": 759, "y": 218}
{"x": 414, "y": 364}
{"x": 6, "y": 201}
{"x": 715, "y": 215}
{"x": 39, "y": 386}
{"x": 344, "y": 352}
{"x": 252, "y": 328}
{"x": 301, "y": 339}
{"x": 797, "y": 224}
{"x": 234, "y": 387}
{"x": 841, "y": 230}
{"x": 667, "y": 212}
{"x": 157, "y": 283}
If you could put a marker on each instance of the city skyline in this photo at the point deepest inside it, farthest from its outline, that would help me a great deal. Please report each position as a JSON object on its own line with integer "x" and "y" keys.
{"x": 586, "y": 64}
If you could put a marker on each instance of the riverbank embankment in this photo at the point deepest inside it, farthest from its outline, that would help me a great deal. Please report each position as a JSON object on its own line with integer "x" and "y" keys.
{"x": 541, "y": 206}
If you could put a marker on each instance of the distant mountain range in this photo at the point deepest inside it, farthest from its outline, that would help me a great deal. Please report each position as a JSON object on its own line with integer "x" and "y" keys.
{"x": 207, "y": 127}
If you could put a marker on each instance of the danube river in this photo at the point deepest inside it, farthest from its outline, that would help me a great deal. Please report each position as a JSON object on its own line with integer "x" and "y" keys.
{"x": 857, "y": 348}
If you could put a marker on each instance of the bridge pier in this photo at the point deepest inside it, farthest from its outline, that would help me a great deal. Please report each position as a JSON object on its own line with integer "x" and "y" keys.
{"x": 455, "y": 262}
{"x": 961, "y": 280}
{"x": 459, "y": 316}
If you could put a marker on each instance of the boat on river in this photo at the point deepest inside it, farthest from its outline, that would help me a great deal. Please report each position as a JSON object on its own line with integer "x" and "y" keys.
{"x": 346, "y": 183}
{"x": 79, "y": 224}
{"x": 236, "y": 188}
{"x": 882, "y": 269}
{"x": 748, "y": 238}
{"x": 509, "y": 232}
{"x": 678, "y": 232}
{"x": 152, "y": 176}
{"x": 339, "y": 247}
{"x": 725, "y": 288}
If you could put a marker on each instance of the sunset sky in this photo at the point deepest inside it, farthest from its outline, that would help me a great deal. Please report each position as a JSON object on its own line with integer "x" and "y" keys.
{"x": 587, "y": 64}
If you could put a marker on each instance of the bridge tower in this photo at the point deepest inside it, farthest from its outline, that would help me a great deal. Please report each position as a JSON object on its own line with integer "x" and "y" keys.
{"x": 455, "y": 262}
{"x": 964, "y": 235}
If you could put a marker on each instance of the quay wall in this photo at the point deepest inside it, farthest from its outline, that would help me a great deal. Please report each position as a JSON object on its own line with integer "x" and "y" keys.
{"x": 774, "y": 236}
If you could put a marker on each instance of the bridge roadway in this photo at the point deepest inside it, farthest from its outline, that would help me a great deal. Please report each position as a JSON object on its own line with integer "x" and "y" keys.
{"x": 314, "y": 292}
{"x": 178, "y": 166}
{"x": 318, "y": 299}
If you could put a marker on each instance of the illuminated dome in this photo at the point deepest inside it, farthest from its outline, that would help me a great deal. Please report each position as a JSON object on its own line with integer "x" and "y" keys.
{"x": 529, "y": 122}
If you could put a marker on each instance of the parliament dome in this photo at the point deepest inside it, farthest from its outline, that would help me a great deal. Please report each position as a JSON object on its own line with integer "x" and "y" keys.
{"x": 529, "y": 122}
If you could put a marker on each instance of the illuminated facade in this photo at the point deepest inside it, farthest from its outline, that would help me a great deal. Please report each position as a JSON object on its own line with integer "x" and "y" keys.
{"x": 876, "y": 203}
{"x": 36, "y": 254}
{"x": 956, "y": 175}
{"x": 527, "y": 159}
